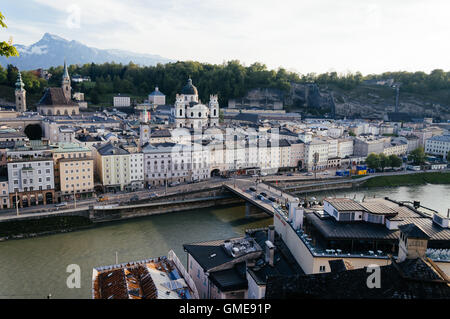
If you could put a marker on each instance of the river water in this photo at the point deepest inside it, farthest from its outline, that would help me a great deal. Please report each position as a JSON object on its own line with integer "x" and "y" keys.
{"x": 36, "y": 267}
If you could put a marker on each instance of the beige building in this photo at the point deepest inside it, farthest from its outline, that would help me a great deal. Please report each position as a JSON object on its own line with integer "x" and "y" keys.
{"x": 112, "y": 164}
{"x": 74, "y": 171}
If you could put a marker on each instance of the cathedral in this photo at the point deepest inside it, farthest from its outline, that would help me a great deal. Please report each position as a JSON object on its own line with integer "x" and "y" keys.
{"x": 189, "y": 112}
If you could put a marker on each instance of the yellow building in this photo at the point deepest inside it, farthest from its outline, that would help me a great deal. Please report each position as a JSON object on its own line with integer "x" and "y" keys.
{"x": 74, "y": 171}
{"x": 113, "y": 167}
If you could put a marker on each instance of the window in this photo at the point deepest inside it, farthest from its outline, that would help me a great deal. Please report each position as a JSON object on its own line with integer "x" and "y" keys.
{"x": 322, "y": 268}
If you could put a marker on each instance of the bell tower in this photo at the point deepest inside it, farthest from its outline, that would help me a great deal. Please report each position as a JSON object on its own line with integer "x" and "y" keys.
{"x": 213, "y": 111}
{"x": 21, "y": 101}
{"x": 144, "y": 128}
{"x": 180, "y": 111}
{"x": 65, "y": 83}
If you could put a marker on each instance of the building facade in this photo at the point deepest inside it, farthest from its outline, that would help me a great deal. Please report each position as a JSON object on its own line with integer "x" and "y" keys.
{"x": 191, "y": 113}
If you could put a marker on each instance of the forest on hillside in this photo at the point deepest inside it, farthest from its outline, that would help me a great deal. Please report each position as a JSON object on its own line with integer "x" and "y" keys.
{"x": 230, "y": 80}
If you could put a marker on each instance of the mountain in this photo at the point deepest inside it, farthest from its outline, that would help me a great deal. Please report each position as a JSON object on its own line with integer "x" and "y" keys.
{"x": 52, "y": 49}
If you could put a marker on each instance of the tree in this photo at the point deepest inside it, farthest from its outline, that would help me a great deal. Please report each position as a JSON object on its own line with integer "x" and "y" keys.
{"x": 395, "y": 161}
{"x": 6, "y": 47}
{"x": 351, "y": 133}
{"x": 384, "y": 161}
{"x": 373, "y": 161}
{"x": 417, "y": 156}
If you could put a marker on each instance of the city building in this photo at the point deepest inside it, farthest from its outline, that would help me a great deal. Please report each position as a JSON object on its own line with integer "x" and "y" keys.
{"x": 395, "y": 147}
{"x": 74, "y": 171}
{"x": 316, "y": 146}
{"x": 165, "y": 163}
{"x": 359, "y": 233}
{"x": 112, "y": 165}
{"x": 438, "y": 145}
{"x": 157, "y": 97}
{"x": 157, "y": 278}
{"x": 365, "y": 145}
{"x": 117, "y": 168}
{"x": 31, "y": 181}
{"x": 191, "y": 113}
{"x": 238, "y": 268}
{"x": 121, "y": 101}
{"x": 58, "y": 101}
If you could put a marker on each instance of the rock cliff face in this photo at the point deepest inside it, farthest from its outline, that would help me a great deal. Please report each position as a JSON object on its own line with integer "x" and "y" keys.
{"x": 368, "y": 101}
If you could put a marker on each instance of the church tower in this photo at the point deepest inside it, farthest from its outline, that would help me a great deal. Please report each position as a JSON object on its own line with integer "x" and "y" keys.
{"x": 213, "y": 111}
{"x": 144, "y": 130}
{"x": 65, "y": 83}
{"x": 21, "y": 101}
{"x": 180, "y": 111}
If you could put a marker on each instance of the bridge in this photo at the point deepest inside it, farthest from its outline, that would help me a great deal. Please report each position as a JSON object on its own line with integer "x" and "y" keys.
{"x": 255, "y": 206}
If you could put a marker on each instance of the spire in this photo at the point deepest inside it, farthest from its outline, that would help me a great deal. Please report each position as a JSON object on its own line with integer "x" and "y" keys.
{"x": 19, "y": 82}
{"x": 66, "y": 72}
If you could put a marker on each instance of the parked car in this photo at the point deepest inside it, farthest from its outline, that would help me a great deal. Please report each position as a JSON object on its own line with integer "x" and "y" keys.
{"x": 61, "y": 204}
{"x": 263, "y": 174}
{"x": 153, "y": 195}
{"x": 290, "y": 174}
{"x": 252, "y": 189}
{"x": 273, "y": 199}
{"x": 263, "y": 194}
{"x": 102, "y": 198}
{"x": 174, "y": 184}
{"x": 260, "y": 197}
{"x": 134, "y": 198}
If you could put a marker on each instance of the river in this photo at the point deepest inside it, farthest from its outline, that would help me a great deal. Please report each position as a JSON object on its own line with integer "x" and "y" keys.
{"x": 36, "y": 267}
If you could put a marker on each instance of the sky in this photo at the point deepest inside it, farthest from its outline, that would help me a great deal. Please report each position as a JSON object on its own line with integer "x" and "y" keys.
{"x": 301, "y": 36}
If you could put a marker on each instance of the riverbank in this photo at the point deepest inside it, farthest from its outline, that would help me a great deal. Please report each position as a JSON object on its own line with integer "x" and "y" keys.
{"x": 17, "y": 229}
{"x": 408, "y": 180}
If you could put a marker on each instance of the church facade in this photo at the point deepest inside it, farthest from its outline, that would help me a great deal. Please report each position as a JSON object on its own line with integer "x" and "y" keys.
{"x": 58, "y": 101}
{"x": 189, "y": 112}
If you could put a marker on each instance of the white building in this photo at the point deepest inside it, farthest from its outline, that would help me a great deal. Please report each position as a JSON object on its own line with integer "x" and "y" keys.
{"x": 121, "y": 101}
{"x": 321, "y": 148}
{"x": 438, "y": 145}
{"x": 190, "y": 112}
{"x": 345, "y": 148}
{"x": 166, "y": 163}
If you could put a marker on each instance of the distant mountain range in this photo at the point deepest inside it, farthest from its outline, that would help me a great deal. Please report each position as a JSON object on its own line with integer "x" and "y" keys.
{"x": 52, "y": 49}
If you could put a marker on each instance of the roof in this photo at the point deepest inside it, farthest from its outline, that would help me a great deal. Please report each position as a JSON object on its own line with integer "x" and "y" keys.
{"x": 209, "y": 254}
{"x": 411, "y": 279}
{"x": 55, "y": 96}
{"x": 344, "y": 204}
{"x": 109, "y": 149}
{"x": 189, "y": 88}
{"x": 148, "y": 279}
{"x": 230, "y": 279}
{"x": 413, "y": 231}
{"x": 156, "y": 92}
{"x": 440, "y": 138}
{"x": 284, "y": 262}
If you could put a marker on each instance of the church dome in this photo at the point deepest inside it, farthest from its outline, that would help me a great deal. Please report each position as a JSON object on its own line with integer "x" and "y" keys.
{"x": 189, "y": 89}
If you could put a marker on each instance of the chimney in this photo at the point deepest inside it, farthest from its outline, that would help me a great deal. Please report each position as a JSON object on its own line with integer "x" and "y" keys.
{"x": 298, "y": 220}
{"x": 416, "y": 204}
{"x": 271, "y": 234}
{"x": 292, "y": 207}
{"x": 413, "y": 242}
{"x": 270, "y": 253}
